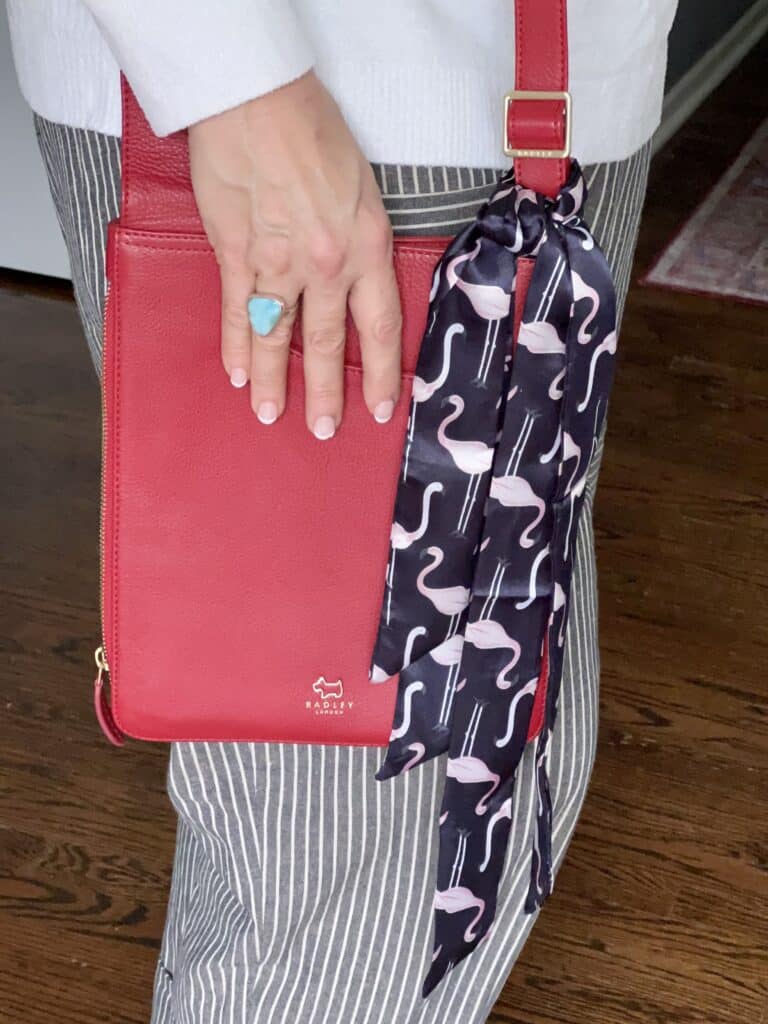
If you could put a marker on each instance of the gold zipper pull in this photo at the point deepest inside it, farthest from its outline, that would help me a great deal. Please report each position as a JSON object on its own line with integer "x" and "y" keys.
{"x": 101, "y": 663}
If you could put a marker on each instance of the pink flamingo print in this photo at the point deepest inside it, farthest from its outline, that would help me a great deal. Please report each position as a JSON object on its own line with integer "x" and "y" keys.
{"x": 581, "y": 290}
{"x": 457, "y": 899}
{"x": 548, "y": 456}
{"x": 450, "y": 601}
{"x": 419, "y": 750}
{"x": 577, "y": 198}
{"x": 378, "y": 675}
{"x": 460, "y": 856}
{"x": 401, "y": 539}
{"x": 522, "y": 193}
{"x": 540, "y": 338}
{"x": 515, "y": 492}
{"x": 469, "y": 769}
{"x": 472, "y": 457}
{"x": 418, "y": 753}
{"x": 487, "y": 634}
{"x": 410, "y": 640}
{"x": 575, "y": 492}
{"x": 521, "y": 605}
{"x": 494, "y": 591}
{"x": 435, "y": 282}
{"x": 571, "y": 451}
{"x": 556, "y": 386}
{"x": 448, "y": 654}
{"x": 608, "y": 345}
{"x": 415, "y": 687}
{"x": 489, "y": 301}
{"x": 423, "y": 390}
{"x": 505, "y": 811}
{"x": 528, "y": 689}
{"x": 521, "y": 443}
{"x": 502, "y": 681}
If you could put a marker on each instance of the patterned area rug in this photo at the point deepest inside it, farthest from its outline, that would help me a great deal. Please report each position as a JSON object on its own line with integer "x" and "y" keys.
{"x": 723, "y": 248}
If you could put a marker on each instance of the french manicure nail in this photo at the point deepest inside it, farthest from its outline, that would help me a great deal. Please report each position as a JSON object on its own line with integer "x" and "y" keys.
{"x": 383, "y": 411}
{"x": 238, "y": 377}
{"x": 325, "y": 428}
{"x": 267, "y": 412}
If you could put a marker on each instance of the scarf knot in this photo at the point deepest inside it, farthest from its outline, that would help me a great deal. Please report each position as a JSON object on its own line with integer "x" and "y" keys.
{"x": 519, "y": 218}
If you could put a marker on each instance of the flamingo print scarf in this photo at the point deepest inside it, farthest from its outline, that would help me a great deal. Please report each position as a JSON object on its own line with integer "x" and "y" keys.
{"x": 492, "y": 481}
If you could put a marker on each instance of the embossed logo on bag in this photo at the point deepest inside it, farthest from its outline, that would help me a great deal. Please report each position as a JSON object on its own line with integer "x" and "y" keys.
{"x": 328, "y": 698}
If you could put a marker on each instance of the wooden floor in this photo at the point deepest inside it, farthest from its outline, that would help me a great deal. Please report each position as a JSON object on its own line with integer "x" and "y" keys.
{"x": 661, "y": 910}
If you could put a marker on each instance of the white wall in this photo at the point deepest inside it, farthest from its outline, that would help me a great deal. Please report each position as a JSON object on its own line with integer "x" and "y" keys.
{"x": 29, "y": 232}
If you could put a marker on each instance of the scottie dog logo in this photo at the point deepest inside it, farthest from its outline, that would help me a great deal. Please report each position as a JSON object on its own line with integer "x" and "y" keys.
{"x": 328, "y": 691}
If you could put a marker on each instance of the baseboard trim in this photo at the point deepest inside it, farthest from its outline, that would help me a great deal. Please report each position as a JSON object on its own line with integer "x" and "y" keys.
{"x": 708, "y": 72}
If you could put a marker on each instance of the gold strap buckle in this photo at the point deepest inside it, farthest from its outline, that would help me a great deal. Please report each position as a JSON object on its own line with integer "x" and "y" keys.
{"x": 529, "y": 94}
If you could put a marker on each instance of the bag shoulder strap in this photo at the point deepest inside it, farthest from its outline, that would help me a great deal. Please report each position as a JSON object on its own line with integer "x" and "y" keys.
{"x": 537, "y": 121}
{"x": 156, "y": 186}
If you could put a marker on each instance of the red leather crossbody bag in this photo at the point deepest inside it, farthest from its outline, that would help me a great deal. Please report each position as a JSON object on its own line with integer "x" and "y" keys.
{"x": 242, "y": 567}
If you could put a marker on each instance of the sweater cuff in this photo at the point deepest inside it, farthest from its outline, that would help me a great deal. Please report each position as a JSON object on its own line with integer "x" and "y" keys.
{"x": 187, "y": 61}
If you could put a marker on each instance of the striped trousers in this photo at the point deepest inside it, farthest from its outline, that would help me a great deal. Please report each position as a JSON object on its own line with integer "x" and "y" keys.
{"x": 294, "y": 868}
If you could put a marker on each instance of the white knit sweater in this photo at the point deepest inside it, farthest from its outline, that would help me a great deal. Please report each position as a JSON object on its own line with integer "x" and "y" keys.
{"x": 419, "y": 81}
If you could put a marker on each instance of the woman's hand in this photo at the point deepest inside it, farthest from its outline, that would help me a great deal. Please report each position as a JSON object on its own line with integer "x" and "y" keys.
{"x": 291, "y": 208}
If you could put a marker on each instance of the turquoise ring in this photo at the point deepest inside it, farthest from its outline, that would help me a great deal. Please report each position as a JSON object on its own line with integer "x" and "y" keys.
{"x": 266, "y": 311}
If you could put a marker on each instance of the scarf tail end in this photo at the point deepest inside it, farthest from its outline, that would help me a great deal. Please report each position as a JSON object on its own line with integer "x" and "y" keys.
{"x": 542, "y": 873}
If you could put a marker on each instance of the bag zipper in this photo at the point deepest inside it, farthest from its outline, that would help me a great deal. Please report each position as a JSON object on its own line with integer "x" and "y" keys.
{"x": 101, "y": 651}
{"x": 101, "y": 703}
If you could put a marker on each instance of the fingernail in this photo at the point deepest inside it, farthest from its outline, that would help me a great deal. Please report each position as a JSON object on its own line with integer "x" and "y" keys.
{"x": 325, "y": 428}
{"x": 383, "y": 411}
{"x": 238, "y": 377}
{"x": 267, "y": 412}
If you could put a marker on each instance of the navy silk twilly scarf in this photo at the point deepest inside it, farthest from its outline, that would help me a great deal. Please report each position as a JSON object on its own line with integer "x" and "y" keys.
{"x": 500, "y": 436}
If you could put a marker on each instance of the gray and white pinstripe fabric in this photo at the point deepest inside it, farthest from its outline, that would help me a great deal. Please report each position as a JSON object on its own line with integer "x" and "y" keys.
{"x": 294, "y": 868}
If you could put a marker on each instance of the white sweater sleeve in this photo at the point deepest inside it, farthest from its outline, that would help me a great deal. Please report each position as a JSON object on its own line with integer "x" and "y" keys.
{"x": 188, "y": 60}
